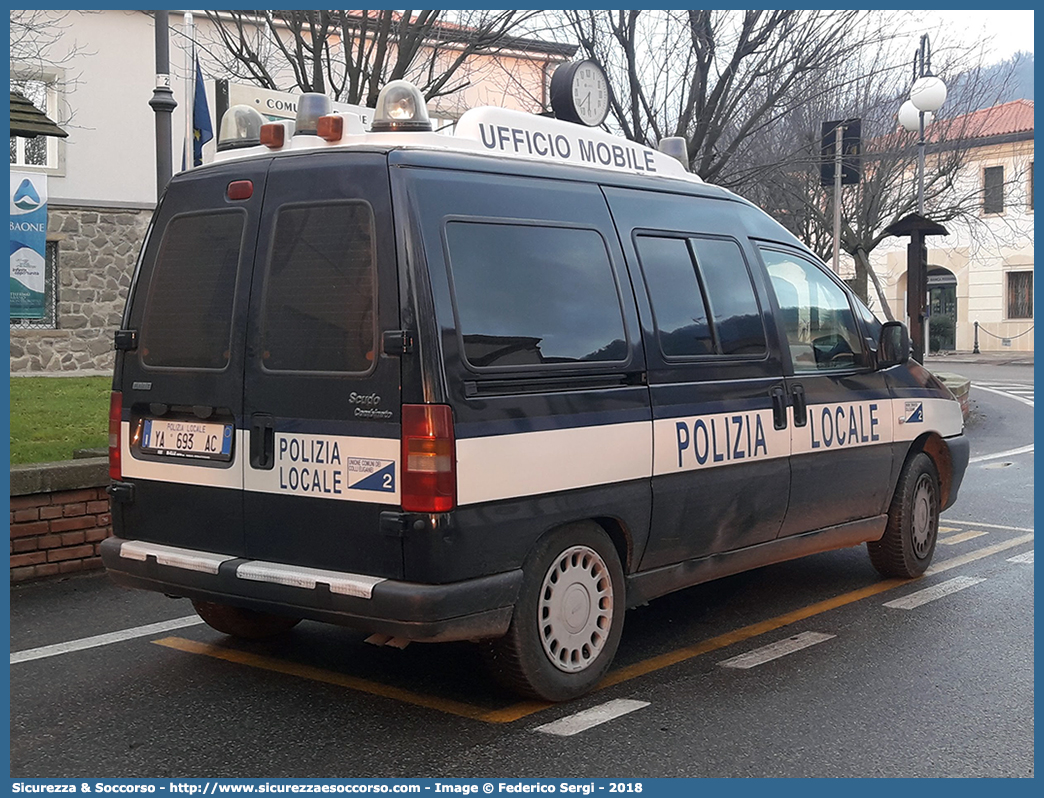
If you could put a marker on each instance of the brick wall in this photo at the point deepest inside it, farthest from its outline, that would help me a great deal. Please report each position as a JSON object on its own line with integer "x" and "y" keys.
{"x": 59, "y": 517}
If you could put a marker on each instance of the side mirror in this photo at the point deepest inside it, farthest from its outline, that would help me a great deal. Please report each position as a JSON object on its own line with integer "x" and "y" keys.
{"x": 893, "y": 349}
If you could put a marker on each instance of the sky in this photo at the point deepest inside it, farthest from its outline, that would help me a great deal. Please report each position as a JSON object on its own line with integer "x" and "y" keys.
{"x": 1008, "y": 31}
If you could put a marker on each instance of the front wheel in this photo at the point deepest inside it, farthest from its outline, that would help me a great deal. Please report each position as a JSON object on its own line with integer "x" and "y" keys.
{"x": 908, "y": 543}
{"x": 240, "y": 622}
{"x": 568, "y": 618}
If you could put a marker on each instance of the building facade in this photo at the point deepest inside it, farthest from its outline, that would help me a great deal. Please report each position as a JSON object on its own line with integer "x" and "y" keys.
{"x": 983, "y": 270}
{"x": 96, "y": 80}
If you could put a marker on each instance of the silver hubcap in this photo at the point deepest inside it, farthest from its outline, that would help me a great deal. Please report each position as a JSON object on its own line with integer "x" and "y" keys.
{"x": 923, "y": 516}
{"x": 576, "y": 609}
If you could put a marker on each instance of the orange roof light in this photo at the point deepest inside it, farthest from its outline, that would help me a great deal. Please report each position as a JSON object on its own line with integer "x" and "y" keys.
{"x": 330, "y": 127}
{"x": 273, "y": 135}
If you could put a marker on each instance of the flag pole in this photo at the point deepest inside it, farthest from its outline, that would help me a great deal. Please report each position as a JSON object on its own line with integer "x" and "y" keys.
{"x": 190, "y": 92}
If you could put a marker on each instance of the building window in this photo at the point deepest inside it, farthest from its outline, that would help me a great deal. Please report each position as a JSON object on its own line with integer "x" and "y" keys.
{"x": 49, "y": 320}
{"x": 1020, "y": 295}
{"x": 41, "y": 151}
{"x": 993, "y": 189}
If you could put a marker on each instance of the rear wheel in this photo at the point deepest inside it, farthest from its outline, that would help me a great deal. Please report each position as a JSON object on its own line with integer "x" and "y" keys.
{"x": 908, "y": 543}
{"x": 568, "y": 618}
{"x": 240, "y": 622}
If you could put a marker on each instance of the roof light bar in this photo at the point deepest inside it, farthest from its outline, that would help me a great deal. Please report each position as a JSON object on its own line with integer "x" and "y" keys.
{"x": 401, "y": 107}
{"x": 310, "y": 107}
{"x": 330, "y": 127}
{"x": 240, "y": 127}
{"x": 273, "y": 135}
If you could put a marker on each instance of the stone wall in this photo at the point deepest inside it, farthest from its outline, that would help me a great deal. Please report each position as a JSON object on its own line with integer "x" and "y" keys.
{"x": 97, "y": 249}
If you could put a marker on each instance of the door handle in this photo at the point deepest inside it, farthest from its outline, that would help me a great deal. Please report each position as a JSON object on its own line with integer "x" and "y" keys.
{"x": 779, "y": 408}
{"x": 262, "y": 441}
{"x": 800, "y": 405}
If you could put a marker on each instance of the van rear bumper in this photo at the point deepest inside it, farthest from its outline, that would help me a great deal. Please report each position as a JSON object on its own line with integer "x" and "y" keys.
{"x": 469, "y": 610}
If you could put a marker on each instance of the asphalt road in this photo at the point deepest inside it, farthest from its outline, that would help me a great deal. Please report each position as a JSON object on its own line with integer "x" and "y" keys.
{"x": 940, "y": 683}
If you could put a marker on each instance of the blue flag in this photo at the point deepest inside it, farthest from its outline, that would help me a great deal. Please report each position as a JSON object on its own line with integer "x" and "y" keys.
{"x": 202, "y": 130}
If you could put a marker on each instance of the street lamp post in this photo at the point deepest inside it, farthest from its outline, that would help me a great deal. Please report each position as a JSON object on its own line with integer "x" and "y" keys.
{"x": 927, "y": 96}
{"x": 163, "y": 103}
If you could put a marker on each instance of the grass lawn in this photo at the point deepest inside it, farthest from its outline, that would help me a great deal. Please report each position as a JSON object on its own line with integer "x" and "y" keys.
{"x": 52, "y": 416}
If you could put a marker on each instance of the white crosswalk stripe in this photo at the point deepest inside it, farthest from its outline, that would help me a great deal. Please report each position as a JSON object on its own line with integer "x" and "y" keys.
{"x": 589, "y": 718}
{"x": 914, "y": 600}
{"x": 1019, "y": 391}
{"x": 781, "y": 648}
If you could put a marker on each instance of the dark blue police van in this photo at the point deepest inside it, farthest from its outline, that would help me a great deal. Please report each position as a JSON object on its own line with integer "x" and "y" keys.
{"x": 496, "y": 386}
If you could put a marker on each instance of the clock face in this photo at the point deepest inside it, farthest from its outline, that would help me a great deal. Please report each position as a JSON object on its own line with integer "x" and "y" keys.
{"x": 590, "y": 94}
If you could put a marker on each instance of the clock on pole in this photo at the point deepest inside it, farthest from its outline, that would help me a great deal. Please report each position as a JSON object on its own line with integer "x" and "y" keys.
{"x": 580, "y": 93}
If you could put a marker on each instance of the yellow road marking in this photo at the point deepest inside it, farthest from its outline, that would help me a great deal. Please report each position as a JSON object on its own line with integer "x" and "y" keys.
{"x": 978, "y": 554}
{"x": 990, "y": 526}
{"x": 327, "y": 677}
{"x": 969, "y": 535}
{"x": 945, "y": 530}
{"x": 525, "y": 708}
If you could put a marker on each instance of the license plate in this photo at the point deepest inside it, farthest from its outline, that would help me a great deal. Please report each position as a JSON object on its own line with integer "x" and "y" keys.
{"x": 191, "y": 439}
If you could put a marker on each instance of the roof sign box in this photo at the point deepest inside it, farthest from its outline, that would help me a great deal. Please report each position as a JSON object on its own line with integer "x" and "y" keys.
{"x": 518, "y": 134}
{"x": 276, "y": 105}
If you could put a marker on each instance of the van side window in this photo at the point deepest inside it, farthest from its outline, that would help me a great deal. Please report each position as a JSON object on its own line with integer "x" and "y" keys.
{"x": 737, "y": 320}
{"x": 187, "y": 321}
{"x": 818, "y": 319}
{"x": 681, "y": 288}
{"x": 534, "y": 295}
{"x": 682, "y": 324}
{"x": 320, "y": 290}
{"x": 870, "y": 321}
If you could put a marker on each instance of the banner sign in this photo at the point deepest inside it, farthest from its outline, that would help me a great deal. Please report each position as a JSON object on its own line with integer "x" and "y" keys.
{"x": 28, "y": 245}
{"x": 273, "y": 105}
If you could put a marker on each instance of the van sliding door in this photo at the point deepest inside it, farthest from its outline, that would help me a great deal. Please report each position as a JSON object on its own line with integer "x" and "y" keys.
{"x": 721, "y": 477}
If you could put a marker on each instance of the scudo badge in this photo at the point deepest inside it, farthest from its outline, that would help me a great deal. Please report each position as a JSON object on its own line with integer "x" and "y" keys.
{"x": 366, "y": 400}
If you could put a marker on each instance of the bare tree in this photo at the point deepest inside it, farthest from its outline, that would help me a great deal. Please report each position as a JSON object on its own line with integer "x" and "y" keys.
{"x": 782, "y": 173}
{"x": 34, "y": 34}
{"x": 718, "y": 78}
{"x": 41, "y": 55}
{"x": 350, "y": 55}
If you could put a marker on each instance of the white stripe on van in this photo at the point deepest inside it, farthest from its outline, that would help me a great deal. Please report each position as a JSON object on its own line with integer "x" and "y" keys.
{"x": 939, "y": 415}
{"x": 496, "y": 467}
{"x": 331, "y": 467}
{"x": 531, "y": 463}
{"x": 711, "y": 440}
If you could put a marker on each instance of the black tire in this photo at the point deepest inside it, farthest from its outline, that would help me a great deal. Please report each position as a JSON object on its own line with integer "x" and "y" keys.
{"x": 240, "y": 622}
{"x": 568, "y": 618}
{"x": 909, "y": 540}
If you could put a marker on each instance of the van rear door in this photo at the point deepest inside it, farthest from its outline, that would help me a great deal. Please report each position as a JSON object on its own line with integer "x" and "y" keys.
{"x": 321, "y": 404}
{"x": 182, "y": 384}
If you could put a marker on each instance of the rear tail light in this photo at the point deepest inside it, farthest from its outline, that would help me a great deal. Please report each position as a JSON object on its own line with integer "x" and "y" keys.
{"x": 429, "y": 459}
{"x": 115, "y": 421}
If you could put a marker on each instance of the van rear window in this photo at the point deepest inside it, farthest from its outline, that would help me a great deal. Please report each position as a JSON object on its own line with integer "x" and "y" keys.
{"x": 188, "y": 314}
{"x": 533, "y": 295}
{"x": 320, "y": 290}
